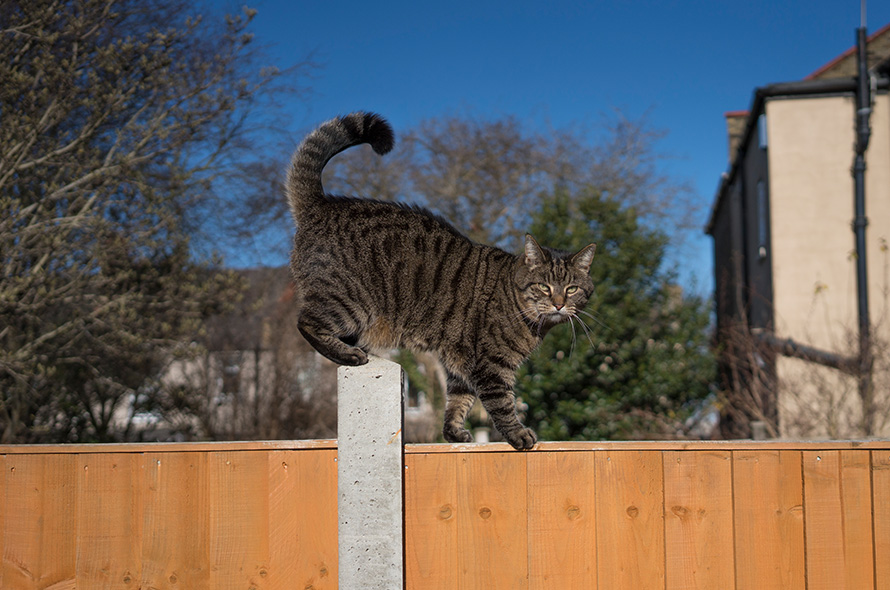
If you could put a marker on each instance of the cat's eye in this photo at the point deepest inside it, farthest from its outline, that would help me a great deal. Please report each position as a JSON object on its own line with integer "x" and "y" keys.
{"x": 544, "y": 287}
{"x": 571, "y": 290}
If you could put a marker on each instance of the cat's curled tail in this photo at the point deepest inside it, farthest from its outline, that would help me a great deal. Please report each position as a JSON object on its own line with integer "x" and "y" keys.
{"x": 304, "y": 189}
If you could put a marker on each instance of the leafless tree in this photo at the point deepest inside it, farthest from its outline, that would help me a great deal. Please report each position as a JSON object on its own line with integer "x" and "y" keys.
{"x": 119, "y": 119}
{"x": 797, "y": 390}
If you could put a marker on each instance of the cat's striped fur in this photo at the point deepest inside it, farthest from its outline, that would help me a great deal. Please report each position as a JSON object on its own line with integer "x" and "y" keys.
{"x": 378, "y": 275}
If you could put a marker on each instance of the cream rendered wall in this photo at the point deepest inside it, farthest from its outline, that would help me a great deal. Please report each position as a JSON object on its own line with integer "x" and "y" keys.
{"x": 810, "y": 150}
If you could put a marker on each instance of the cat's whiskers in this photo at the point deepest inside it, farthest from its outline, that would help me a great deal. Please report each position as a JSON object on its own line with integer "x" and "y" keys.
{"x": 572, "y": 324}
{"x": 523, "y": 316}
{"x": 586, "y": 330}
{"x": 594, "y": 318}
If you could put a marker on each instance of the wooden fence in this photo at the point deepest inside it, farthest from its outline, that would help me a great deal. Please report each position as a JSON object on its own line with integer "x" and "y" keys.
{"x": 606, "y": 516}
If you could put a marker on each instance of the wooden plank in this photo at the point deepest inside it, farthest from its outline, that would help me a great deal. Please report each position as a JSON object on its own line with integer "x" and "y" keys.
{"x": 40, "y": 549}
{"x": 768, "y": 516}
{"x": 837, "y": 512}
{"x": 629, "y": 520}
{"x": 880, "y": 465}
{"x": 562, "y": 521}
{"x": 548, "y": 446}
{"x": 303, "y": 519}
{"x": 857, "y": 525}
{"x": 492, "y": 521}
{"x": 699, "y": 550}
{"x": 165, "y": 447}
{"x": 432, "y": 553}
{"x": 657, "y": 445}
{"x": 176, "y": 543}
{"x": 109, "y": 521}
{"x": 4, "y": 502}
{"x": 238, "y": 520}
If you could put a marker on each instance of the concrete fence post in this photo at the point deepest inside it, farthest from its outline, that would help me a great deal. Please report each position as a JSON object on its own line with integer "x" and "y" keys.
{"x": 370, "y": 475}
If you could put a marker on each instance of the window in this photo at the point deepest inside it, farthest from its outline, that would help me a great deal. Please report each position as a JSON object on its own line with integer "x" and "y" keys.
{"x": 762, "y": 226}
{"x": 761, "y": 132}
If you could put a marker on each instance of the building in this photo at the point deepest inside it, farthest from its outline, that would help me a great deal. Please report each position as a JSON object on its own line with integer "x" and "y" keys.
{"x": 785, "y": 259}
{"x": 255, "y": 376}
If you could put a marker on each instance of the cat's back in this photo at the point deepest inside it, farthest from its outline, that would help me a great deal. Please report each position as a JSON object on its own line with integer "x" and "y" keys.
{"x": 402, "y": 262}
{"x": 380, "y": 230}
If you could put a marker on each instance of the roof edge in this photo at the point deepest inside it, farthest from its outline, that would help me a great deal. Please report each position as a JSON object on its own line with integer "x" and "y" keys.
{"x": 824, "y": 68}
{"x": 781, "y": 89}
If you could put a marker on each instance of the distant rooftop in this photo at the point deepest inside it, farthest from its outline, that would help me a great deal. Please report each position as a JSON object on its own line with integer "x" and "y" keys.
{"x": 844, "y": 65}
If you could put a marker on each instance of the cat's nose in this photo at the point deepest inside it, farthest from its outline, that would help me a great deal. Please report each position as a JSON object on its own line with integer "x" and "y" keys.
{"x": 558, "y": 306}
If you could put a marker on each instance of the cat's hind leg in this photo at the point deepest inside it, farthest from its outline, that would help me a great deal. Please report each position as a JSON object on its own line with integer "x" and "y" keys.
{"x": 329, "y": 340}
{"x": 459, "y": 400}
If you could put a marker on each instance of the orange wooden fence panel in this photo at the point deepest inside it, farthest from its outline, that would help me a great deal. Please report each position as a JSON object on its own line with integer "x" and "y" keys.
{"x": 169, "y": 517}
{"x": 667, "y": 516}
{"x": 595, "y": 516}
{"x": 880, "y": 461}
{"x": 562, "y": 521}
{"x": 630, "y": 519}
{"x": 698, "y": 531}
{"x": 837, "y": 504}
{"x": 768, "y": 520}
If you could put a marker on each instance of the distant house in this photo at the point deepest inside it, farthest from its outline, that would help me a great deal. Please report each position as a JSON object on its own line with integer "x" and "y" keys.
{"x": 257, "y": 378}
{"x": 784, "y": 257}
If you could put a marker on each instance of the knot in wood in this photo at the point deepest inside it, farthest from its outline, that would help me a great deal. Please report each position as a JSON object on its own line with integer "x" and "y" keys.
{"x": 680, "y": 511}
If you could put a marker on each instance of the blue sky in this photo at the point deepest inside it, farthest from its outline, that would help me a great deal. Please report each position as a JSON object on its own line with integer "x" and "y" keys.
{"x": 683, "y": 63}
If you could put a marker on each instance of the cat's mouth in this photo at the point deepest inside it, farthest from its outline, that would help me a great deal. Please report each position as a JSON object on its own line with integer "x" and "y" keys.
{"x": 557, "y": 316}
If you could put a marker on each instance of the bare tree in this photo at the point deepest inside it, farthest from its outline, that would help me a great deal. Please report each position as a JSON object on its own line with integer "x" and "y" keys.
{"x": 119, "y": 118}
{"x": 798, "y": 390}
{"x": 487, "y": 176}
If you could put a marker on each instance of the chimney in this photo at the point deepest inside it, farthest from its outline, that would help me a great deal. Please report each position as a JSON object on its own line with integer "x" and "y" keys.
{"x": 735, "y": 127}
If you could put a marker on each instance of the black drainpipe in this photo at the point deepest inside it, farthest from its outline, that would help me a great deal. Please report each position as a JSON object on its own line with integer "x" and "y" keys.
{"x": 860, "y": 221}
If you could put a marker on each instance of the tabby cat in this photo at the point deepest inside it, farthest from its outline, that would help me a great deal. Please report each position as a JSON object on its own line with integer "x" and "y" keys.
{"x": 379, "y": 275}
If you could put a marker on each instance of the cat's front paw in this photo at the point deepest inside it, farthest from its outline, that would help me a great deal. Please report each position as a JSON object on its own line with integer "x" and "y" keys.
{"x": 355, "y": 357}
{"x": 457, "y": 435}
{"x": 521, "y": 439}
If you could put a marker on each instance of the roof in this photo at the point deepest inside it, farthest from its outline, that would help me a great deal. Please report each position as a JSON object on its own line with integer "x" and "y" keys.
{"x": 844, "y": 65}
{"x": 837, "y": 76}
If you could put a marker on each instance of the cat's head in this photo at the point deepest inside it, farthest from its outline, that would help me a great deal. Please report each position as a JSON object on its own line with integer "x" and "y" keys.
{"x": 553, "y": 285}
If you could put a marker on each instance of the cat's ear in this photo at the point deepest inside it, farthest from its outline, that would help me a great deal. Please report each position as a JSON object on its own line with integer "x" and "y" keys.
{"x": 534, "y": 254}
{"x": 584, "y": 258}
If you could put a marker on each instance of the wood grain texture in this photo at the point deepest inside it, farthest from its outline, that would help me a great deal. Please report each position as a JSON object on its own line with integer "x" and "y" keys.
{"x": 168, "y": 447}
{"x": 880, "y": 465}
{"x": 303, "y": 519}
{"x": 630, "y": 520}
{"x": 109, "y": 521}
{"x": 562, "y": 521}
{"x": 176, "y": 531}
{"x": 768, "y": 517}
{"x": 238, "y": 524}
{"x": 838, "y": 519}
{"x": 432, "y": 556}
{"x": 40, "y": 523}
{"x": 698, "y": 520}
{"x": 492, "y": 512}
{"x": 4, "y": 503}
{"x": 245, "y": 516}
{"x": 654, "y": 445}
